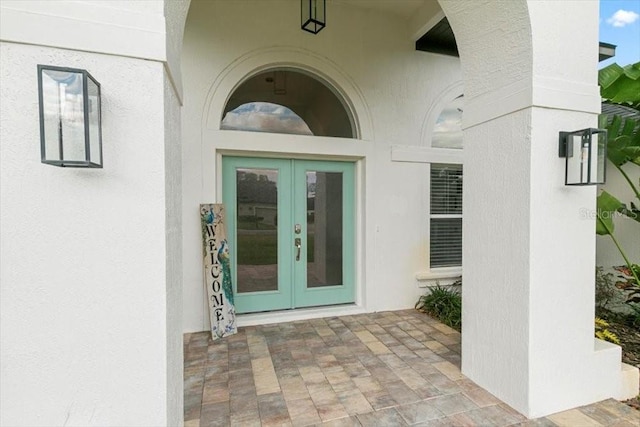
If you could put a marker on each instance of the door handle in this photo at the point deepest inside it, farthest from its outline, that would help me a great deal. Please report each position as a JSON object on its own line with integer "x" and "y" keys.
{"x": 298, "y": 244}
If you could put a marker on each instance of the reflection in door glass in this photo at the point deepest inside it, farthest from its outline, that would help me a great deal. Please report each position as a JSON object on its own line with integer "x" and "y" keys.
{"x": 324, "y": 229}
{"x": 257, "y": 228}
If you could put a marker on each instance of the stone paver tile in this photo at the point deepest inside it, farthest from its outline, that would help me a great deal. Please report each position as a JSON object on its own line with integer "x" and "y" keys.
{"x": 384, "y": 375}
{"x": 388, "y": 340}
{"x": 481, "y": 397}
{"x": 393, "y": 361}
{"x": 379, "y": 399}
{"x": 443, "y": 383}
{"x": 312, "y": 374}
{"x": 366, "y": 384}
{"x": 356, "y": 369}
{"x": 538, "y": 422}
{"x": 294, "y": 389}
{"x": 420, "y": 412}
{"x": 345, "y": 387}
{"x": 369, "y": 361}
{"x": 427, "y": 355}
{"x": 243, "y": 403}
{"x": 463, "y": 420}
{"x": 625, "y": 423}
{"x": 273, "y": 409}
{"x": 192, "y": 411}
{"x": 618, "y": 408}
{"x": 354, "y": 402}
{"x": 366, "y": 336}
{"x": 342, "y": 422}
{"x": 572, "y": 418}
{"x": 245, "y": 419}
{"x": 447, "y": 340}
{"x": 450, "y": 370}
{"x": 303, "y": 412}
{"x": 445, "y": 329}
{"x": 215, "y": 393}
{"x": 400, "y": 392}
{"x": 331, "y": 411}
{"x": 634, "y": 417}
{"x": 215, "y": 414}
{"x": 192, "y": 423}
{"x": 403, "y": 352}
{"x": 301, "y": 354}
{"x": 411, "y": 378}
{"x": 337, "y": 377}
{"x": 494, "y": 415}
{"x": 377, "y": 347}
{"x": 427, "y": 391}
{"x": 436, "y": 347}
{"x": 321, "y": 391}
{"x": 452, "y": 404}
{"x": 383, "y": 418}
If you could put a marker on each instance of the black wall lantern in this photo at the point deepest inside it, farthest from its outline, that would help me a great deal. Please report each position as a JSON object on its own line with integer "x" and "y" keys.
{"x": 70, "y": 124}
{"x": 313, "y": 15}
{"x": 585, "y": 152}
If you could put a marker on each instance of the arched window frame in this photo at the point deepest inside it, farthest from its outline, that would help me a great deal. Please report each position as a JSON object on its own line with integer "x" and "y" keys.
{"x": 347, "y": 109}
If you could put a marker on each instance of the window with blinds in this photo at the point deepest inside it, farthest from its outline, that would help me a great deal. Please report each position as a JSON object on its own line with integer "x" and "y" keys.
{"x": 446, "y": 215}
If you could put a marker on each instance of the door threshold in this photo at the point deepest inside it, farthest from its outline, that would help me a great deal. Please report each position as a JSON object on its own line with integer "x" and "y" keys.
{"x": 265, "y": 318}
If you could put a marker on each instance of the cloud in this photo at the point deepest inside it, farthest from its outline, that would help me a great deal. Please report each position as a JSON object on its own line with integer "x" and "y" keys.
{"x": 622, "y": 18}
{"x": 265, "y": 117}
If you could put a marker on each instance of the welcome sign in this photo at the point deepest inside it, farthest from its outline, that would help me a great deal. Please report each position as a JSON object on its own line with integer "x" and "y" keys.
{"x": 217, "y": 271}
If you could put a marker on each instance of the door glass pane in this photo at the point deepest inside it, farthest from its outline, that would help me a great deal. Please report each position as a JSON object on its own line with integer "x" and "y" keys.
{"x": 324, "y": 229}
{"x": 257, "y": 229}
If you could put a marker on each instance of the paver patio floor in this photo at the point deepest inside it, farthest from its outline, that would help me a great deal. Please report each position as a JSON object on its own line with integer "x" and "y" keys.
{"x": 392, "y": 368}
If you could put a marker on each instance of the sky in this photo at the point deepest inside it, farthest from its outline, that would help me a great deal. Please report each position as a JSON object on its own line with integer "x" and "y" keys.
{"x": 620, "y": 25}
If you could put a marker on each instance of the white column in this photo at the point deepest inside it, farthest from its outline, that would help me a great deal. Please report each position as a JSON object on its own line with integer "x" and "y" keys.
{"x": 529, "y": 254}
{"x": 91, "y": 259}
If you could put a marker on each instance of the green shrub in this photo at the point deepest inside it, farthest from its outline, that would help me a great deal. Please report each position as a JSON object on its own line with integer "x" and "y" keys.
{"x": 443, "y": 303}
{"x": 606, "y": 290}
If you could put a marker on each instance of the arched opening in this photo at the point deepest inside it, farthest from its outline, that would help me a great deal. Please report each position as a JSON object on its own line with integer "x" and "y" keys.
{"x": 287, "y": 101}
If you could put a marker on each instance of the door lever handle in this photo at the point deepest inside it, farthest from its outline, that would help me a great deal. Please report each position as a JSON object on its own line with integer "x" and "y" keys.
{"x": 298, "y": 244}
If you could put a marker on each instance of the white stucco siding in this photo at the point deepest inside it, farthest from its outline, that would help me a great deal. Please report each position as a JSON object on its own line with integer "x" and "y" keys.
{"x": 495, "y": 34}
{"x": 83, "y": 304}
{"x": 371, "y": 59}
{"x": 173, "y": 232}
{"x": 495, "y": 323}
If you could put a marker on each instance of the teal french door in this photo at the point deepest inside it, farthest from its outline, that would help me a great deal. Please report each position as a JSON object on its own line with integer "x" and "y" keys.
{"x": 291, "y": 232}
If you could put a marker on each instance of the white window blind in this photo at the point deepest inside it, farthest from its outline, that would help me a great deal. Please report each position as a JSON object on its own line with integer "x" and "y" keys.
{"x": 446, "y": 215}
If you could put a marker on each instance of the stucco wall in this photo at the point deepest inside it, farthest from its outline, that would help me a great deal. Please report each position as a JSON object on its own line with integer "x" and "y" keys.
{"x": 392, "y": 88}
{"x": 83, "y": 307}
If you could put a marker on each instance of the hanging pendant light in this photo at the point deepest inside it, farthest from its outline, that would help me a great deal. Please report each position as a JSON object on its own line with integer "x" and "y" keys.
{"x": 313, "y": 15}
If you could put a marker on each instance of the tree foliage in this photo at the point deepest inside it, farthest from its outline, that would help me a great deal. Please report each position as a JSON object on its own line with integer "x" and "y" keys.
{"x": 621, "y": 85}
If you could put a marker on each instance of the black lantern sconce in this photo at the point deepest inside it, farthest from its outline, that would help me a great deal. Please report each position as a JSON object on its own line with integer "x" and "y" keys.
{"x": 585, "y": 152}
{"x": 313, "y": 15}
{"x": 70, "y": 123}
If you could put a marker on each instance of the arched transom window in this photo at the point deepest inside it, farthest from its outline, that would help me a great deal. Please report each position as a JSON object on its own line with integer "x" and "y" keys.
{"x": 287, "y": 101}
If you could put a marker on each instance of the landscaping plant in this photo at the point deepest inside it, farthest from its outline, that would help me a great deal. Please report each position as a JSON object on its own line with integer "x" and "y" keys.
{"x": 443, "y": 303}
{"x": 621, "y": 86}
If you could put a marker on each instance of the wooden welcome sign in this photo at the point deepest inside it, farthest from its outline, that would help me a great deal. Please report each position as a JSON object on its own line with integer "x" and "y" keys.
{"x": 217, "y": 271}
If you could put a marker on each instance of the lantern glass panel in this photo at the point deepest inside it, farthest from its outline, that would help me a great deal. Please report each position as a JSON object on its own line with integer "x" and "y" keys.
{"x": 313, "y": 15}
{"x": 576, "y": 159}
{"x": 585, "y": 156}
{"x": 63, "y": 114}
{"x": 95, "y": 137}
{"x": 600, "y": 143}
